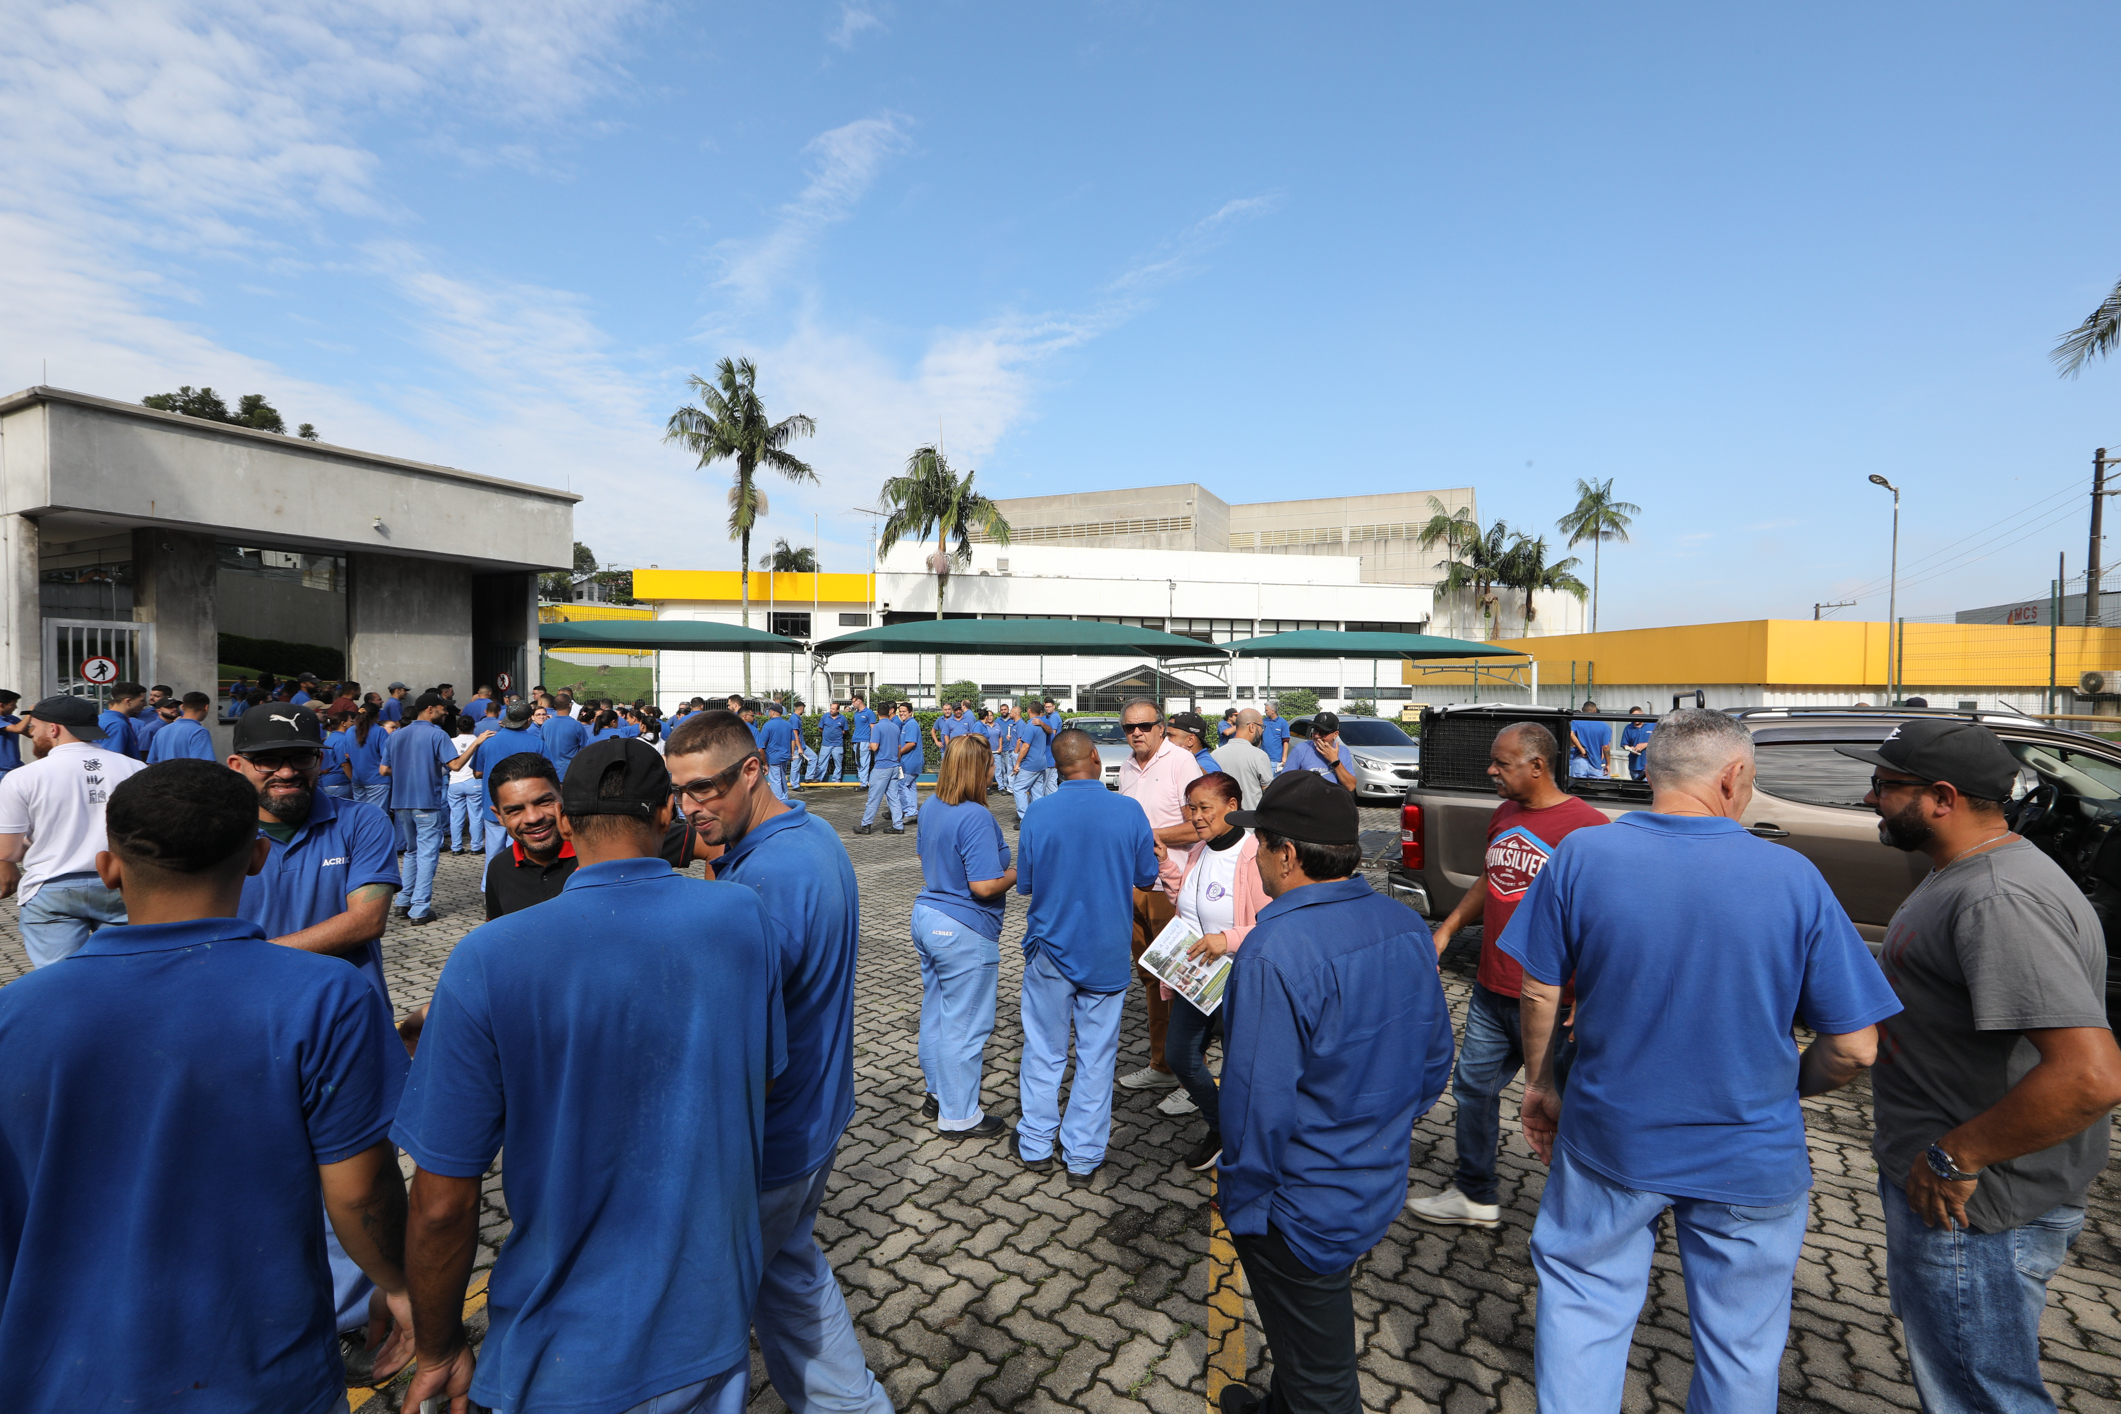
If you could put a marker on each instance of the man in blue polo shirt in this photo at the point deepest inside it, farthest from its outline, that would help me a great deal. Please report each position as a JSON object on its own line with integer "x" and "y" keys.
{"x": 564, "y": 736}
{"x": 494, "y": 747}
{"x": 633, "y": 1112}
{"x": 417, "y": 761}
{"x": 949, "y": 725}
{"x": 1684, "y": 1090}
{"x": 216, "y": 1152}
{"x": 1032, "y": 772}
{"x": 1081, "y": 854}
{"x": 799, "y": 761}
{"x": 1321, "y": 752}
{"x": 1337, "y": 1039}
{"x": 799, "y": 868}
{"x": 831, "y": 746}
{"x": 188, "y": 735}
{"x": 862, "y": 722}
{"x": 1274, "y": 733}
{"x": 116, "y": 720}
{"x": 481, "y": 700}
{"x": 911, "y": 762}
{"x": 1005, "y": 747}
{"x": 392, "y": 713}
{"x": 774, "y": 738}
{"x": 1589, "y": 741}
{"x": 11, "y": 731}
{"x": 881, "y": 776}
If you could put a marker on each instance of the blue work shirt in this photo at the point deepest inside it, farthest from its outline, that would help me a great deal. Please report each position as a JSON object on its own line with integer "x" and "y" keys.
{"x": 344, "y": 845}
{"x": 10, "y": 743}
{"x": 883, "y": 735}
{"x": 564, "y": 736}
{"x": 1207, "y": 761}
{"x": 627, "y": 729}
{"x": 757, "y": 733}
{"x": 301, "y": 696}
{"x": 831, "y": 730}
{"x": 144, "y": 728}
{"x": 1008, "y": 730}
{"x": 1040, "y": 756}
{"x": 1303, "y": 756}
{"x": 117, "y": 729}
{"x": 775, "y": 737}
{"x": 366, "y": 757}
{"x": 1082, "y": 852}
{"x": 509, "y": 741}
{"x": 627, "y": 1081}
{"x": 909, "y": 732}
{"x": 992, "y": 731}
{"x": 1053, "y": 724}
{"x": 1274, "y": 737}
{"x": 1338, "y": 1039}
{"x": 477, "y": 708}
{"x": 959, "y": 844}
{"x": 334, "y": 762}
{"x": 392, "y": 710}
{"x": 947, "y": 727}
{"x": 182, "y": 739}
{"x": 1597, "y": 739}
{"x": 148, "y": 1154}
{"x": 418, "y": 755}
{"x": 800, "y": 871}
{"x": 863, "y": 721}
{"x": 1685, "y": 1077}
{"x": 1637, "y": 734}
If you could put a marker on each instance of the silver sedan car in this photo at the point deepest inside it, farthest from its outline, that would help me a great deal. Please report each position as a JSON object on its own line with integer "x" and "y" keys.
{"x": 1384, "y": 759}
{"x": 1112, "y": 746}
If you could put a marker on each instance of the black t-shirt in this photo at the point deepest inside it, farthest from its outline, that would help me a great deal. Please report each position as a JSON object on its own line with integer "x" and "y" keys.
{"x": 515, "y": 882}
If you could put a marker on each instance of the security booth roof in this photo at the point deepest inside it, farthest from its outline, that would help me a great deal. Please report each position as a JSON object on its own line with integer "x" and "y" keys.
{"x": 1328, "y": 643}
{"x": 683, "y": 635}
{"x": 1019, "y": 637}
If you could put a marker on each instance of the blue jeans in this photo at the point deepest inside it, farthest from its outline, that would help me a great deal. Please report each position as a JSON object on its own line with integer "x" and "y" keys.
{"x": 1489, "y": 1057}
{"x": 883, "y": 786}
{"x": 958, "y": 973}
{"x": 1970, "y": 1304}
{"x": 65, "y": 911}
{"x": 1051, "y": 1005}
{"x": 420, "y": 837}
{"x": 466, "y": 814}
{"x": 724, "y": 1394}
{"x": 1591, "y": 1247}
{"x": 805, "y": 1335}
{"x": 1578, "y": 766}
{"x": 1186, "y": 1052}
{"x": 777, "y": 780}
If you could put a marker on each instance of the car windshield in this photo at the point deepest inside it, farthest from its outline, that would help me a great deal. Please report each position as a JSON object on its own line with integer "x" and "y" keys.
{"x": 1103, "y": 730}
{"x": 1372, "y": 731}
{"x": 2094, "y": 779}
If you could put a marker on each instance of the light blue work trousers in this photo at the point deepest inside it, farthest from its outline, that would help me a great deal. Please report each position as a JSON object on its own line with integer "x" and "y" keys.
{"x": 805, "y": 1335}
{"x": 883, "y": 787}
{"x": 777, "y": 780}
{"x": 1028, "y": 786}
{"x": 865, "y": 754}
{"x": 66, "y": 910}
{"x": 1970, "y": 1303}
{"x": 467, "y": 825}
{"x": 723, "y": 1394}
{"x": 908, "y": 787}
{"x": 420, "y": 839}
{"x": 335, "y": 785}
{"x": 1051, "y": 1006}
{"x": 828, "y": 763}
{"x": 1591, "y": 1247}
{"x": 376, "y": 793}
{"x": 959, "y": 969}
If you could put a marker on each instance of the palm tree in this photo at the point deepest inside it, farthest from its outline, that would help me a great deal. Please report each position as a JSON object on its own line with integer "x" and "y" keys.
{"x": 784, "y": 560}
{"x": 2096, "y": 337}
{"x": 731, "y": 422}
{"x": 1597, "y": 518}
{"x": 1525, "y": 567}
{"x": 1476, "y": 561}
{"x": 931, "y": 497}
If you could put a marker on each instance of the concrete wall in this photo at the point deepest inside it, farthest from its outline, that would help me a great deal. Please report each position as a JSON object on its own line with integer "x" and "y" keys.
{"x": 174, "y": 582}
{"x": 1195, "y": 518}
{"x": 257, "y": 607}
{"x": 408, "y": 620}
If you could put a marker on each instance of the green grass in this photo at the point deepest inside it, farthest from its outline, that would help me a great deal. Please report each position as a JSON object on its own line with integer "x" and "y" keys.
{"x": 618, "y": 684}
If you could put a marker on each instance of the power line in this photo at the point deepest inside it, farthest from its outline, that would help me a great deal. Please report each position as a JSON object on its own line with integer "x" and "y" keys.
{"x": 1928, "y": 567}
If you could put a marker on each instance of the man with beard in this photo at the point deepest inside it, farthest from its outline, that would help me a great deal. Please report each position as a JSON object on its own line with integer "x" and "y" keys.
{"x": 1992, "y": 1089}
{"x": 51, "y": 829}
{"x": 801, "y": 872}
{"x": 325, "y": 888}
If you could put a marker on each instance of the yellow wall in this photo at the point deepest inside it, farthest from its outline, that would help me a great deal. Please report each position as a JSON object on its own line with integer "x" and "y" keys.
{"x": 718, "y": 586}
{"x": 581, "y": 613}
{"x": 1802, "y": 652}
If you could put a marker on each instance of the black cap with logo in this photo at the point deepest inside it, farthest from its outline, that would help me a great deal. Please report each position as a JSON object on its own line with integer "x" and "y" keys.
{"x": 1190, "y": 722}
{"x": 644, "y": 784}
{"x": 1966, "y": 754}
{"x": 1325, "y": 724}
{"x": 1302, "y": 805}
{"x": 64, "y": 711}
{"x": 275, "y": 726}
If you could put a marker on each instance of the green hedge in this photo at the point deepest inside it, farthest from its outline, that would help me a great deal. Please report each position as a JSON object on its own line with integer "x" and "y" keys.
{"x": 281, "y": 658}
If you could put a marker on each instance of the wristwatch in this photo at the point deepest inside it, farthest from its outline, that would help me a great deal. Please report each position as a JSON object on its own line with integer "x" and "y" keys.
{"x": 1941, "y": 1165}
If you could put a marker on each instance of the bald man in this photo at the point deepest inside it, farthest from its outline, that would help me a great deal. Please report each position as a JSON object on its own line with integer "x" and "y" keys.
{"x": 1244, "y": 760}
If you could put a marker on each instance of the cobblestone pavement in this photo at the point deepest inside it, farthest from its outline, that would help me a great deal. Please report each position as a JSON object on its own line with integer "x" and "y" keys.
{"x": 979, "y": 1286}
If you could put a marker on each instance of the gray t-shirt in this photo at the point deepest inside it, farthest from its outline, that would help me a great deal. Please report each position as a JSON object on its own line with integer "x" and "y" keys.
{"x": 1248, "y": 766}
{"x": 1997, "y": 944}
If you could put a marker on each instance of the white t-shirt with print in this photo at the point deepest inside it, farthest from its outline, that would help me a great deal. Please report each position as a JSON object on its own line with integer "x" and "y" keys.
{"x": 58, "y": 802}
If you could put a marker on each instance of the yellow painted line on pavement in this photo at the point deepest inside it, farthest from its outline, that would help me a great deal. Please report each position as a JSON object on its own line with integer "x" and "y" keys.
{"x": 474, "y": 1302}
{"x": 1226, "y": 1312}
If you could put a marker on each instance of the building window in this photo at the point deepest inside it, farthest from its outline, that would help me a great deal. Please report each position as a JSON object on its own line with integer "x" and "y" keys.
{"x": 1212, "y": 630}
{"x": 1001, "y": 567}
{"x": 1367, "y": 627}
{"x": 789, "y": 625}
{"x": 1267, "y": 626}
{"x": 854, "y": 621}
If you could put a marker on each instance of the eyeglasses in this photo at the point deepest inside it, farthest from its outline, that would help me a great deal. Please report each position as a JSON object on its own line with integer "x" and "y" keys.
{"x": 1131, "y": 728}
{"x": 1879, "y": 785}
{"x": 713, "y": 787}
{"x": 283, "y": 760}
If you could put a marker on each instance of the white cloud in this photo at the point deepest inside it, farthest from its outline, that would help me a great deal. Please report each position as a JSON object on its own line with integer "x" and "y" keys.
{"x": 854, "y": 21}
{"x": 846, "y": 160}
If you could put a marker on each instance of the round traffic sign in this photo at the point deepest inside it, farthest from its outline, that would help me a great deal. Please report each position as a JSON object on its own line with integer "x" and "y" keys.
{"x": 99, "y": 671}
{"x": 502, "y": 681}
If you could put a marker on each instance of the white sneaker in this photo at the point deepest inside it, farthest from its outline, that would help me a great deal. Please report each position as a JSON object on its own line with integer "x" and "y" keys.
{"x": 1147, "y": 1078}
{"x": 1451, "y": 1208}
{"x": 1178, "y": 1102}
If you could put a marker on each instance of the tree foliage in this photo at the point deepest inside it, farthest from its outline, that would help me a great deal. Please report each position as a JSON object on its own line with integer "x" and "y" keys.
{"x": 1361, "y": 707}
{"x": 1525, "y": 567}
{"x": 252, "y": 410}
{"x": 1296, "y": 702}
{"x": 930, "y": 496}
{"x": 786, "y": 559}
{"x": 2096, "y": 337}
{"x": 963, "y": 690}
{"x": 1597, "y": 517}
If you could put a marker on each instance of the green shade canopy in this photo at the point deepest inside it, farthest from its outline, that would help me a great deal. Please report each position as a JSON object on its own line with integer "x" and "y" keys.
{"x": 1326, "y": 643}
{"x": 1017, "y": 636}
{"x": 678, "y": 635}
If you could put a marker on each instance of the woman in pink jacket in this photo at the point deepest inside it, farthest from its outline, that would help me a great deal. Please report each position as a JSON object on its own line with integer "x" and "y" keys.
{"x": 1219, "y": 897}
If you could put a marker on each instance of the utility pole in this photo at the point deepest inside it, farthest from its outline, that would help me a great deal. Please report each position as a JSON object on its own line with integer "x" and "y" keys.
{"x": 1892, "y": 601}
{"x": 1837, "y": 604}
{"x": 2091, "y": 562}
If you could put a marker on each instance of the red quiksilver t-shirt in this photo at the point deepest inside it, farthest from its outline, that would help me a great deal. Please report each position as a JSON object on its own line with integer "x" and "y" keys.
{"x": 1520, "y": 842}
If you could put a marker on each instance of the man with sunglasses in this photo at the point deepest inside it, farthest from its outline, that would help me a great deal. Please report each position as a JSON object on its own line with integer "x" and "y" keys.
{"x": 1155, "y": 777}
{"x": 325, "y": 888}
{"x": 800, "y": 870}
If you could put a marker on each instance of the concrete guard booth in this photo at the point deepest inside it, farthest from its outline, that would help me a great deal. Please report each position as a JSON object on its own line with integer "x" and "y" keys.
{"x": 172, "y": 547}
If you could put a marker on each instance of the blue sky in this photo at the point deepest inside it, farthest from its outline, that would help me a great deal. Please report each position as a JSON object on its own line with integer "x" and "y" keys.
{"x": 1735, "y": 258}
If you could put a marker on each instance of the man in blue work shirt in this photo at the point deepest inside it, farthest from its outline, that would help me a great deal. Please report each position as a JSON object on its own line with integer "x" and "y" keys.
{"x": 325, "y": 888}
{"x": 1589, "y": 740}
{"x": 800, "y": 870}
{"x": 1051, "y": 719}
{"x": 1321, "y": 752}
{"x": 392, "y": 713}
{"x": 238, "y": 698}
{"x": 159, "y": 712}
{"x": 1005, "y": 747}
{"x": 302, "y": 694}
{"x": 633, "y": 1112}
{"x": 881, "y": 776}
{"x": 232, "y": 1143}
{"x": 1635, "y": 740}
{"x": 564, "y": 736}
{"x": 911, "y": 762}
{"x": 1188, "y": 731}
{"x": 1337, "y": 1038}
{"x": 773, "y": 742}
{"x": 949, "y": 725}
{"x": 11, "y": 727}
{"x": 799, "y": 749}
{"x": 1032, "y": 773}
{"x": 1081, "y": 854}
{"x": 862, "y": 722}
{"x": 492, "y": 748}
{"x": 417, "y": 761}
{"x": 831, "y": 763}
{"x": 1274, "y": 733}
{"x": 481, "y": 700}
{"x": 116, "y": 720}
{"x": 187, "y": 737}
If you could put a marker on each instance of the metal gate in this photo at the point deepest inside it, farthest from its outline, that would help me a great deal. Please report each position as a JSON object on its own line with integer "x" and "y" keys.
{"x": 83, "y": 657}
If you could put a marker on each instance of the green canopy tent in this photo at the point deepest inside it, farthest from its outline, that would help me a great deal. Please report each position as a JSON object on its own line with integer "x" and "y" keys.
{"x": 656, "y": 635}
{"x": 1330, "y": 643}
{"x": 1022, "y": 638}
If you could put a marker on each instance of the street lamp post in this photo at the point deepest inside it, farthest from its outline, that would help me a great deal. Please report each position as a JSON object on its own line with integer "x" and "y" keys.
{"x": 1892, "y": 599}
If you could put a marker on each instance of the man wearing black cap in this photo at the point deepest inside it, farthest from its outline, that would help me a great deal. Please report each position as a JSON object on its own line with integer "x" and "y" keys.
{"x": 636, "y": 1075}
{"x": 1188, "y": 731}
{"x": 1320, "y": 752}
{"x": 1337, "y": 1038}
{"x": 51, "y": 829}
{"x": 417, "y": 761}
{"x": 1992, "y": 1090}
{"x": 392, "y": 713}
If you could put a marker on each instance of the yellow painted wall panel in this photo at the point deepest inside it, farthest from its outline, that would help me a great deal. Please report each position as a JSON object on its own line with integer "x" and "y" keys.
{"x": 717, "y": 586}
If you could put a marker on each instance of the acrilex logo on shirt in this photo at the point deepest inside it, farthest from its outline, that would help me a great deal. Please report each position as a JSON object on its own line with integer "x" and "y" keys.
{"x": 329, "y": 862}
{"x": 1515, "y": 858}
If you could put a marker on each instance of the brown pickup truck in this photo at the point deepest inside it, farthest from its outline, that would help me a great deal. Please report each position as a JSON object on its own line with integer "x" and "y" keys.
{"x": 1807, "y": 796}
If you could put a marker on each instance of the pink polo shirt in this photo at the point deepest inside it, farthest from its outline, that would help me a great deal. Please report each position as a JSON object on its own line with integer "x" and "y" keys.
{"x": 1160, "y": 789}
